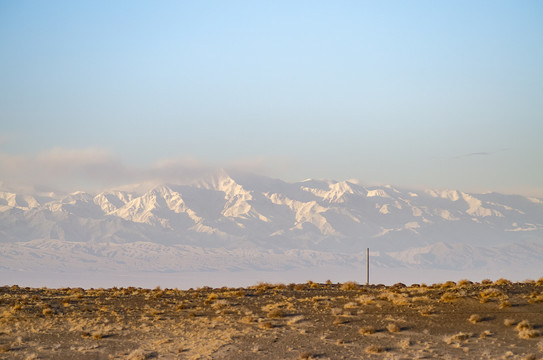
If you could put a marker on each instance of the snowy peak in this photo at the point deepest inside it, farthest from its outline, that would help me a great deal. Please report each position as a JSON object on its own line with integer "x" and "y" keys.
{"x": 12, "y": 200}
{"x": 337, "y": 192}
{"x": 275, "y": 213}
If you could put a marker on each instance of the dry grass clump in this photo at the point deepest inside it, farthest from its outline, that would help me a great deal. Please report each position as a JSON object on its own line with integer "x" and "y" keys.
{"x": 275, "y": 314}
{"x": 137, "y": 354}
{"x": 509, "y": 322}
{"x": 524, "y": 325}
{"x": 448, "y": 285}
{"x": 366, "y": 330}
{"x": 374, "y": 349}
{"x": 97, "y": 335}
{"x": 448, "y": 297}
{"x": 464, "y": 283}
{"x": 539, "y": 282}
{"x": 305, "y": 356}
{"x": 266, "y": 325}
{"x": 535, "y": 297}
{"x": 475, "y": 318}
{"x": 461, "y": 336}
{"x": 366, "y": 300}
{"x": 393, "y": 328}
{"x": 504, "y": 304}
{"x": 529, "y": 334}
{"x": 295, "y": 320}
{"x": 503, "y": 282}
{"x": 427, "y": 310}
{"x": 340, "y": 321}
{"x": 526, "y": 330}
{"x": 349, "y": 285}
{"x": 490, "y": 293}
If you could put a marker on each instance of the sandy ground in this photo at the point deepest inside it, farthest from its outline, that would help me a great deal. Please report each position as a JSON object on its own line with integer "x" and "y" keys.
{"x": 488, "y": 320}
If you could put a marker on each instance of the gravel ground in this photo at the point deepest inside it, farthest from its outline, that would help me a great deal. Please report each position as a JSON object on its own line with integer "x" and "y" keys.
{"x": 488, "y": 320}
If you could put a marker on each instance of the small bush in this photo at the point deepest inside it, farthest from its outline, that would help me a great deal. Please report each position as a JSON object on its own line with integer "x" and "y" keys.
{"x": 474, "y": 319}
{"x": 276, "y": 313}
{"x": 366, "y": 330}
{"x": 461, "y": 336}
{"x": 503, "y": 282}
{"x": 524, "y": 325}
{"x": 448, "y": 297}
{"x": 529, "y": 334}
{"x": 490, "y": 293}
{"x": 374, "y": 349}
{"x": 393, "y": 328}
{"x": 349, "y": 285}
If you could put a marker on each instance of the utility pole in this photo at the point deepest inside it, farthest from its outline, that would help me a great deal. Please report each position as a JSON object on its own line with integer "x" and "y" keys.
{"x": 367, "y": 266}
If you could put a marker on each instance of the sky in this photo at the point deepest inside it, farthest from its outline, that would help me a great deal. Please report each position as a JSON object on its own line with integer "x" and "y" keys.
{"x": 440, "y": 94}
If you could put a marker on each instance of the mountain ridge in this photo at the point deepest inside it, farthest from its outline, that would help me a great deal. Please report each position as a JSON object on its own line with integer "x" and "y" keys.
{"x": 224, "y": 214}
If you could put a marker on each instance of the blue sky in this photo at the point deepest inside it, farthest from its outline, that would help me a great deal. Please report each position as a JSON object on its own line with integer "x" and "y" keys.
{"x": 445, "y": 94}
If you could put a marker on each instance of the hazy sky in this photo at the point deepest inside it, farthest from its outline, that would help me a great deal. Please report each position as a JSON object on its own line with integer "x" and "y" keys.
{"x": 445, "y": 94}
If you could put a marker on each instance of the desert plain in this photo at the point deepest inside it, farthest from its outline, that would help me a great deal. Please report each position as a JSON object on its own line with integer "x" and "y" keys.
{"x": 452, "y": 320}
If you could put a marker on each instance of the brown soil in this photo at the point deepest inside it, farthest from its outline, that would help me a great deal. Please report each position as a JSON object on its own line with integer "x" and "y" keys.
{"x": 297, "y": 321}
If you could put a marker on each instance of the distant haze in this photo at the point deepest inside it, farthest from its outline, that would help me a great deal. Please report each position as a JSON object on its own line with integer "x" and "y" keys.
{"x": 447, "y": 94}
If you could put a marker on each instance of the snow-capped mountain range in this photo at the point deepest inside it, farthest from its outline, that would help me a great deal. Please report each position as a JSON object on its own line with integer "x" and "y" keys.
{"x": 240, "y": 222}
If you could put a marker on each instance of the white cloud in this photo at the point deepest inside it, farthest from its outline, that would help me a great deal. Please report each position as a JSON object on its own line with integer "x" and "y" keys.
{"x": 64, "y": 169}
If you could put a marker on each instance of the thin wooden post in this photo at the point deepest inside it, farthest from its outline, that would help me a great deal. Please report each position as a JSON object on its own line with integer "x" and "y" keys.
{"x": 367, "y": 266}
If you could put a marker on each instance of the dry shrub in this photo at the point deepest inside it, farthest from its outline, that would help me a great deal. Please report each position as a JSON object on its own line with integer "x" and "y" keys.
{"x": 475, "y": 318}
{"x": 137, "y": 354}
{"x": 426, "y": 310}
{"x": 275, "y": 314}
{"x": 509, "y": 322}
{"x": 490, "y": 293}
{"x": 535, "y": 297}
{"x": 504, "y": 304}
{"x": 503, "y": 282}
{"x": 266, "y": 325}
{"x": 529, "y": 334}
{"x": 306, "y": 356}
{"x": 404, "y": 343}
{"x": 524, "y": 325}
{"x": 262, "y": 286}
{"x": 295, "y": 320}
{"x": 336, "y": 311}
{"x": 366, "y": 330}
{"x": 350, "y": 305}
{"x": 366, "y": 300}
{"x": 461, "y": 336}
{"x": 349, "y": 285}
{"x": 248, "y": 319}
{"x": 340, "y": 321}
{"x": 464, "y": 283}
{"x": 448, "y": 285}
{"x": 539, "y": 282}
{"x": 448, "y": 297}
{"x": 374, "y": 349}
{"x": 47, "y": 311}
{"x": 393, "y": 328}
{"x": 485, "y": 334}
